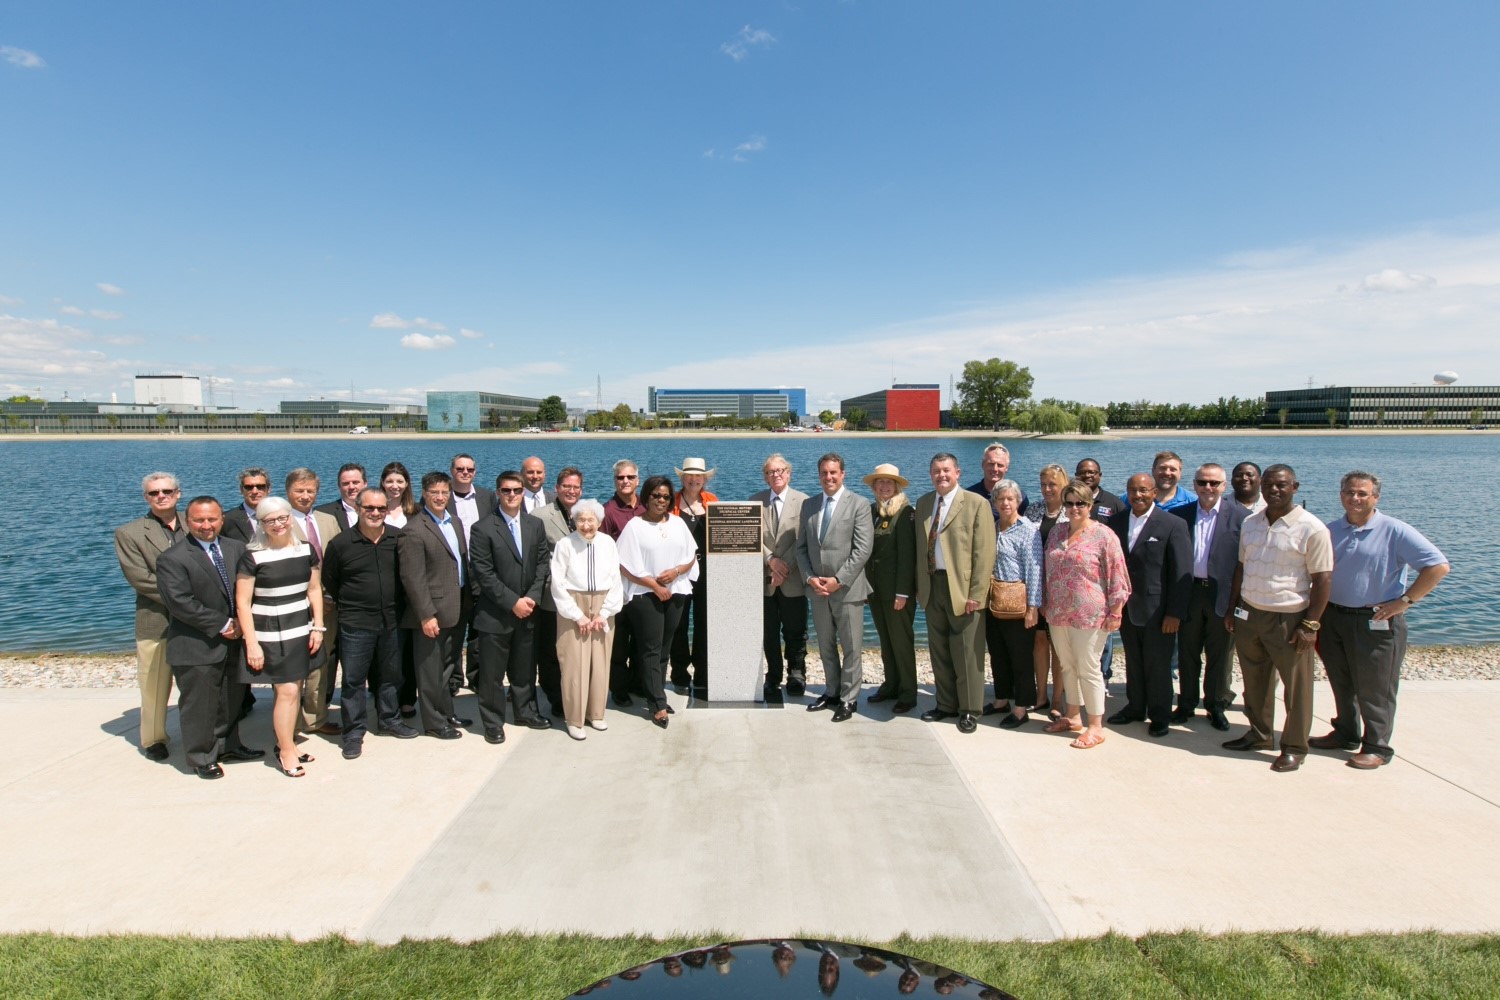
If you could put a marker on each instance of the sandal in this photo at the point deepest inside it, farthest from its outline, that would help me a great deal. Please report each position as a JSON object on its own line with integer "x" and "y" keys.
{"x": 1087, "y": 741}
{"x": 1062, "y": 725}
{"x": 305, "y": 758}
{"x": 296, "y": 772}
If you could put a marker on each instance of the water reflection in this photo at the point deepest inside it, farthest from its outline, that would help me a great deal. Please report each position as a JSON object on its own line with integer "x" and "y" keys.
{"x": 790, "y": 968}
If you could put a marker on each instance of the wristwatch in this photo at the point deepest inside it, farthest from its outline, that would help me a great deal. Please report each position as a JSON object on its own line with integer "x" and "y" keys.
{"x": 1407, "y": 599}
{"x": 1311, "y": 625}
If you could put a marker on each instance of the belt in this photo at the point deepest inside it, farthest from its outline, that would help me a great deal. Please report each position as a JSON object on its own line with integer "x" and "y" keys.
{"x": 1350, "y": 611}
{"x": 1202, "y": 581}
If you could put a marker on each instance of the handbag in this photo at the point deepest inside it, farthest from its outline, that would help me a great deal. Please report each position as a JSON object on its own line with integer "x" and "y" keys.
{"x": 1007, "y": 599}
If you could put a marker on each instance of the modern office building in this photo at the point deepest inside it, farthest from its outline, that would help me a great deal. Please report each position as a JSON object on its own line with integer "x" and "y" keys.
{"x": 171, "y": 391}
{"x": 477, "y": 411}
{"x": 322, "y": 406}
{"x": 728, "y": 402}
{"x": 902, "y": 407}
{"x": 1436, "y": 405}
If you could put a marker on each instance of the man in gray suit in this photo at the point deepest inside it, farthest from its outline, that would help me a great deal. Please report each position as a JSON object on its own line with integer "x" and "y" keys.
{"x": 138, "y": 545}
{"x": 203, "y": 643}
{"x": 557, "y": 519}
{"x": 434, "y": 565}
{"x": 785, "y": 603}
{"x": 833, "y": 545}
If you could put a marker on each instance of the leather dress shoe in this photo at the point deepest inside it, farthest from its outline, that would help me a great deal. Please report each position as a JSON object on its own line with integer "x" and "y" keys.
{"x": 844, "y": 712}
{"x": 796, "y": 685}
{"x": 209, "y": 772}
{"x": 1366, "y": 761}
{"x": 878, "y": 697}
{"x": 822, "y": 703}
{"x": 1218, "y": 719}
{"x": 773, "y": 696}
{"x": 494, "y": 735}
{"x": 1332, "y": 741}
{"x": 1287, "y": 762}
{"x": 242, "y": 753}
{"x": 1157, "y": 729}
{"x": 1013, "y": 721}
{"x": 537, "y": 722}
{"x": 937, "y": 715}
{"x": 1183, "y": 714}
{"x": 902, "y": 707}
{"x": 1123, "y": 718}
{"x": 1244, "y": 743}
{"x": 352, "y": 750}
{"x": 967, "y": 723}
{"x": 156, "y": 751}
{"x": 454, "y": 720}
{"x": 446, "y": 733}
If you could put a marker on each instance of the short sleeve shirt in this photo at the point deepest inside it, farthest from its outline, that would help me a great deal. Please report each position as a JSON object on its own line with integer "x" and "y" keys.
{"x": 1279, "y": 559}
{"x": 1370, "y": 561}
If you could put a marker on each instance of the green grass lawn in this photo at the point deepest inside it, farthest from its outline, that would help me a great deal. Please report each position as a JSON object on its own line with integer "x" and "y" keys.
{"x": 1285, "y": 965}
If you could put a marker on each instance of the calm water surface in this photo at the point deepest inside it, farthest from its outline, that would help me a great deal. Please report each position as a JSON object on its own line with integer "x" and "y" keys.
{"x": 61, "y": 588}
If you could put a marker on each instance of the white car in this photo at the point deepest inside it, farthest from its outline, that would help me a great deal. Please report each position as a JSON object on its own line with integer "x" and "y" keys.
{"x": 361, "y": 429}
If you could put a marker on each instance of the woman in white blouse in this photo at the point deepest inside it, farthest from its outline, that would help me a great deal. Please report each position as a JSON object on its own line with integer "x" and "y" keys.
{"x": 659, "y": 561}
{"x": 587, "y": 590}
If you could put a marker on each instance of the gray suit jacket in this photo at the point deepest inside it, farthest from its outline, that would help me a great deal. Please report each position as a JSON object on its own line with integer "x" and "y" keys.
{"x": 138, "y": 545}
{"x": 781, "y": 541}
{"x": 844, "y": 548}
{"x": 430, "y": 573}
{"x": 555, "y": 523}
{"x": 1223, "y": 549}
{"x": 195, "y": 598}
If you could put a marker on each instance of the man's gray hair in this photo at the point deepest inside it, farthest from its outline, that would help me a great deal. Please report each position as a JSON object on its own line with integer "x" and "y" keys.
{"x": 1370, "y": 477}
{"x": 153, "y": 476}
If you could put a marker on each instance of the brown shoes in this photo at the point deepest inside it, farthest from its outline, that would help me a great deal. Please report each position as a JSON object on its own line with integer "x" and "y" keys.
{"x": 1332, "y": 741}
{"x": 1366, "y": 761}
{"x": 1287, "y": 762}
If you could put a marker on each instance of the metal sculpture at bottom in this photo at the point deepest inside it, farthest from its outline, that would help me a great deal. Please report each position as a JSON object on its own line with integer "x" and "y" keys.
{"x": 789, "y": 968}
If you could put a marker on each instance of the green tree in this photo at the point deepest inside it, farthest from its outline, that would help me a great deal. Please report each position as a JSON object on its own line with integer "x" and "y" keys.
{"x": 856, "y": 417}
{"x": 161, "y": 420}
{"x": 1476, "y": 416}
{"x": 622, "y": 415}
{"x": 62, "y": 421}
{"x": 1283, "y": 414}
{"x": 260, "y": 421}
{"x": 1332, "y": 414}
{"x": 113, "y": 419}
{"x": 552, "y": 411}
{"x": 1380, "y": 417}
{"x": 1023, "y": 421}
{"x": 990, "y": 388}
{"x": 1053, "y": 419}
{"x": 1091, "y": 420}
{"x": 1429, "y": 415}
{"x": 826, "y": 416}
{"x": 791, "y": 418}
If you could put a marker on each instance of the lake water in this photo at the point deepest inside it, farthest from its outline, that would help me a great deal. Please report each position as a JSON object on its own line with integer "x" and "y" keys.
{"x": 61, "y": 587}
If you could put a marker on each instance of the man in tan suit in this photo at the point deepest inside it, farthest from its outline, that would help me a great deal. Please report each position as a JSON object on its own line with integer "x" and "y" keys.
{"x": 137, "y": 546}
{"x": 785, "y": 604}
{"x": 317, "y": 527}
{"x": 955, "y": 560}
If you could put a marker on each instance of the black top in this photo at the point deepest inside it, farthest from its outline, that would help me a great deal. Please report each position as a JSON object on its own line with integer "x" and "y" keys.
{"x": 363, "y": 578}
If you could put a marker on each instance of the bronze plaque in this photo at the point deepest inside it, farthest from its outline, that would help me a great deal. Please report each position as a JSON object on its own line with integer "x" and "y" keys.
{"x": 733, "y": 527}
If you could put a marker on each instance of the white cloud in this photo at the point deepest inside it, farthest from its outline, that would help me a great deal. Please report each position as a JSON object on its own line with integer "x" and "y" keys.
{"x": 738, "y": 47}
{"x": 468, "y": 334}
{"x": 6, "y": 300}
{"x": 109, "y": 289}
{"x": 22, "y": 57}
{"x": 72, "y": 311}
{"x": 428, "y": 324}
{"x": 1392, "y": 280}
{"x": 46, "y": 350}
{"x": 389, "y": 321}
{"x": 754, "y": 144}
{"x": 422, "y": 342}
{"x": 106, "y": 314}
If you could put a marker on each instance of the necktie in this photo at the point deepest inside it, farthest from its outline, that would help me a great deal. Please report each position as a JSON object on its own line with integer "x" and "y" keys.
{"x": 932, "y": 536}
{"x": 515, "y": 532}
{"x": 775, "y": 513}
{"x": 312, "y": 536}
{"x": 827, "y": 517}
{"x": 214, "y": 554}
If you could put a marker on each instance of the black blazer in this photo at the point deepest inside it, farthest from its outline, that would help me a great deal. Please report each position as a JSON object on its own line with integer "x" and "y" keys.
{"x": 500, "y": 577}
{"x": 335, "y": 509}
{"x": 195, "y": 599}
{"x": 1223, "y": 550}
{"x": 237, "y": 526}
{"x": 1160, "y": 566}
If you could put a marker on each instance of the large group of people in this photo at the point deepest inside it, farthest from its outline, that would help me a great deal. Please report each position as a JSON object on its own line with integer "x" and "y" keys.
{"x": 526, "y": 593}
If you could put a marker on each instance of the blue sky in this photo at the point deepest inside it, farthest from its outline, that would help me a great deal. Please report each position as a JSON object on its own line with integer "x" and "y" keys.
{"x": 1162, "y": 200}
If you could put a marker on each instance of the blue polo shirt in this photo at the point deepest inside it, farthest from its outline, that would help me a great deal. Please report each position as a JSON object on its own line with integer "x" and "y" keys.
{"x": 1370, "y": 562}
{"x": 1181, "y": 498}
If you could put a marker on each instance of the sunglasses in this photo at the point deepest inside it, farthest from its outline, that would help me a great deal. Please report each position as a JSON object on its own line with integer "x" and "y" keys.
{"x": 373, "y": 510}
{"x": 661, "y": 496}
{"x": 262, "y": 487}
{"x": 161, "y": 493}
{"x": 627, "y": 477}
{"x": 1208, "y": 482}
{"x": 511, "y": 490}
{"x": 1075, "y": 503}
{"x": 459, "y": 469}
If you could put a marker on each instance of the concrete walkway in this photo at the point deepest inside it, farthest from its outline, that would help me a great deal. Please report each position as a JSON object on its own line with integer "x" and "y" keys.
{"x": 747, "y": 823}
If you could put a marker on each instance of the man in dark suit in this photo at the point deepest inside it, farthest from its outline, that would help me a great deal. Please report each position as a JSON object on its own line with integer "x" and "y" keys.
{"x": 1205, "y": 648}
{"x": 239, "y": 521}
{"x": 470, "y": 504}
{"x": 1159, "y": 557}
{"x": 511, "y": 559}
{"x": 833, "y": 545}
{"x": 345, "y": 510}
{"x": 434, "y": 560}
{"x": 203, "y": 639}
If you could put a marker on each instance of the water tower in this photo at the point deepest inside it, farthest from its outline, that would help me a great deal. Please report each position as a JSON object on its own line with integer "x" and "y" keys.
{"x": 1445, "y": 378}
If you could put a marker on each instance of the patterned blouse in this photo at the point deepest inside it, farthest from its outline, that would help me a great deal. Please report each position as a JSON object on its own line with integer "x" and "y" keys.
{"x": 1018, "y": 557}
{"x": 1084, "y": 577}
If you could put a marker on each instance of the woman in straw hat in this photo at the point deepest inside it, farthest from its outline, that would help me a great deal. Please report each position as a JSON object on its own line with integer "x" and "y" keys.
{"x": 892, "y": 572}
{"x": 690, "y": 643}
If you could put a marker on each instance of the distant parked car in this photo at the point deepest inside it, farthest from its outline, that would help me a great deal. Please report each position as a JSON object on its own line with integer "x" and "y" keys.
{"x": 361, "y": 429}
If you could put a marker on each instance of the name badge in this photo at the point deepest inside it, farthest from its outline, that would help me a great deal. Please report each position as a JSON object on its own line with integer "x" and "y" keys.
{"x": 1380, "y": 626}
{"x": 1243, "y": 614}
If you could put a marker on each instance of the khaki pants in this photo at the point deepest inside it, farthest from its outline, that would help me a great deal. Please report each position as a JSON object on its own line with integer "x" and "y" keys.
{"x": 584, "y": 662}
{"x": 155, "y": 680}
{"x": 1078, "y": 652}
{"x": 318, "y": 689}
{"x": 1266, "y": 652}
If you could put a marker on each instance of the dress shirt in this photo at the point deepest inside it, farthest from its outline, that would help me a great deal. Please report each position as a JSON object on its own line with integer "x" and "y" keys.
{"x": 586, "y": 566}
{"x": 208, "y": 554}
{"x": 1203, "y": 538}
{"x": 531, "y": 502}
{"x": 1279, "y": 559}
{"x": 513, "y": 525}
{"x": 466, "y": 509}
{"x": 1135, "y": 527}
{"x": 310, "y": 531}
{"x": 830, "y": 504}
{"x": 938, "y": 561}
{"x": 1018, "y": 556}
{"x": 1370, "y": 562}
{"x": 450, "y": 535}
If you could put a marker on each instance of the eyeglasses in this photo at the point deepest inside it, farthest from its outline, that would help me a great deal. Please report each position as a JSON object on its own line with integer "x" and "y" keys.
{"x": 1208, "y": 482}
{"x": 161, "y": 493}
{"x": 262, "y": 487}
{"x": 282, "y": 519}
{"x": 373, "y": 510}
{"x": 511, "y": 490}
{"x": 1075, "y": 503}
{"x": 626, "y": 477}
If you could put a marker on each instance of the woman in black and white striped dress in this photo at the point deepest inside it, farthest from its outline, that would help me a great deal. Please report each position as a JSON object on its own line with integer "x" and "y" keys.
{"x": 278, "y": 597}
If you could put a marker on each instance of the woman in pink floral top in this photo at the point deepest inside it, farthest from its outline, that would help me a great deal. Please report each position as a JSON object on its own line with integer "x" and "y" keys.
{"x": 1086, "y": 586}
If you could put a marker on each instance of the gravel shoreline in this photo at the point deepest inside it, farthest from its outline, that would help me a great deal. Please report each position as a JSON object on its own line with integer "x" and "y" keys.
{"x": 117, "y": 670}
